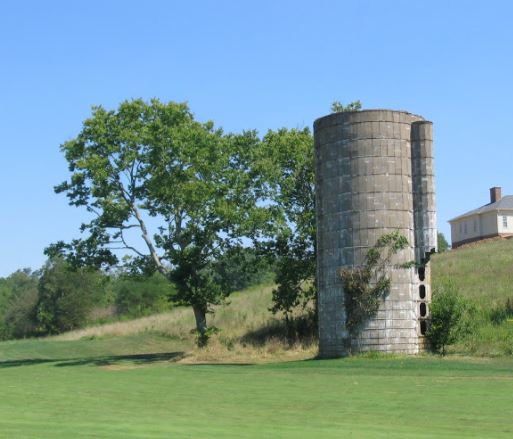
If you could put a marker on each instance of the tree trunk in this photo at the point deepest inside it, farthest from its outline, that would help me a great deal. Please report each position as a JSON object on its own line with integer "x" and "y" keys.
{"x": 201, "y": 324}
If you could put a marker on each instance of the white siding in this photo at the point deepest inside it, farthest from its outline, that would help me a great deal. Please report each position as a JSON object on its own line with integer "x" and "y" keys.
{"x": 489, "y": 224}
{"x": 476, "y": 226}
{"x": 509, "y": 221}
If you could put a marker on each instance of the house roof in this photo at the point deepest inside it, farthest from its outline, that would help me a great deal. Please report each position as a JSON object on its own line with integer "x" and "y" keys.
{"x": 505, "y": 203}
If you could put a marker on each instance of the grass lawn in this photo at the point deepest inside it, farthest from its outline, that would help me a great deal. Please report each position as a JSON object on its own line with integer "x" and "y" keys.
{"x": 107, "y": 388}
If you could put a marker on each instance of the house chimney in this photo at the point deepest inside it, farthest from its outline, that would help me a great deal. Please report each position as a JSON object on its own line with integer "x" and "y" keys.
{"x": 495, "y": 194}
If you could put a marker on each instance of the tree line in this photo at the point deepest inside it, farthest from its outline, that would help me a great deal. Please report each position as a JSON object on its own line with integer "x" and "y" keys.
{"x": 168, "y": 195}
{"x": 59, "y": 297}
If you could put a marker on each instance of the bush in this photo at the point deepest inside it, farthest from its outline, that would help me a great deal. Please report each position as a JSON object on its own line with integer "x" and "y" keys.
{"x": 502, "y": 312}
{"x": 442, "y": 243}
{"x": 139, "y": 296}
{"x": 450, "y": 318}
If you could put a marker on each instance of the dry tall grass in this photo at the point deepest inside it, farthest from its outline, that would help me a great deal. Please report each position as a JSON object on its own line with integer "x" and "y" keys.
{"x": 248, "y": 332}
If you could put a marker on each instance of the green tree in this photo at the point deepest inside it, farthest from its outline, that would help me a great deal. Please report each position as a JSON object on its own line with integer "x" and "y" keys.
{"x": 66, "y": 296}
{"x": 18, "y": 298}
{"x": 450, "y": 318}
{"x": 185, "y": 187}
{"x": 289, "y": 170}
{"x": 443, "y": 245}
{"x": 242, "y": 267}
{"x": 338, "y": 107}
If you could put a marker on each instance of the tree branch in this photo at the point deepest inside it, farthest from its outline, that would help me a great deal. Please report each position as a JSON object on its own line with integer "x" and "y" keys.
{"x": 148, "y": 241}
{"x": 129, "y": 247}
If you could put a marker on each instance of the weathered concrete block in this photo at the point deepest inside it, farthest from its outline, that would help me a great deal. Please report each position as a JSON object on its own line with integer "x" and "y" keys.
{"x": 374, "y": 174}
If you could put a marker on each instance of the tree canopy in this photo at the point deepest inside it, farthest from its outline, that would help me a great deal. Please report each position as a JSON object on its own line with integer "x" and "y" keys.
{"x": 290, "y": 176}
{"x": 185, "y": 187}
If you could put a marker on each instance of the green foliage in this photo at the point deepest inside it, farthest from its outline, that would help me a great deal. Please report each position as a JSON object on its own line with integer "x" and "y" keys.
{"x": 365, "y": 286}
{"x": 66, "y": 297}
{"x": 241, "y": 267}
{"x": 139, "y": 296}
{"x": 451, "y": 318}
{"x": 296, "y": 284}
{"x": 482, "y": 274}
{"x": 202, "y": 337}
{"x": 153, "y": 160}
{"x": 337, "y": 107}
{"x": 18, "y": 297}
{"x": 19, "y": 320}
{"x": 443, "y": 245}
{"x": 288, "y": 169}
{"x": 502, "y": 312}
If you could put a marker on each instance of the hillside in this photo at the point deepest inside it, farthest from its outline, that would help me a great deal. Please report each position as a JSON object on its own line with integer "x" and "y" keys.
{"x": 483, "y": 273}
{"x": 248, "y": 332}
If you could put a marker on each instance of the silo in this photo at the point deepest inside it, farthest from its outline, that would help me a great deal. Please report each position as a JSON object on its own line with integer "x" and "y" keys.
{"x": 364, "y": 189}
{"x": 424, "y": 212}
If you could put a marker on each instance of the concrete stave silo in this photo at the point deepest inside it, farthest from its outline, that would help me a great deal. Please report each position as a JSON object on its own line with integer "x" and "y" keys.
{"x": 374, "y": 175}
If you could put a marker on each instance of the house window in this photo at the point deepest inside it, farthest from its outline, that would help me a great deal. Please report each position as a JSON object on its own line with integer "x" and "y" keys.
{"x": 505, "y": 221}
{"x": 465, "y": 228}
{"x": 475, "y": 225}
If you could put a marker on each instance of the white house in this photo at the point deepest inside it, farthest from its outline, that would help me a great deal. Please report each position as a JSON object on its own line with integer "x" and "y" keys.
{"x": 492, "y": 219}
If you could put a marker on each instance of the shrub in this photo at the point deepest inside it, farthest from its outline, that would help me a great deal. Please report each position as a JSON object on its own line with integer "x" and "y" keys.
{"x": 442, "y": 243}
{"x": 139, "y": 296}
{"x": 502, "y": 312}
{"x": 450, "y": 318}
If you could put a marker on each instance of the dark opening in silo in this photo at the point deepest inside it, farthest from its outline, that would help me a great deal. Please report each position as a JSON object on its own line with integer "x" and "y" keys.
{"x": 423, "y": 309}
{"x": 423, "y": 327}
{"x": 422, "y": 273}
{"x": 422, "y": 291}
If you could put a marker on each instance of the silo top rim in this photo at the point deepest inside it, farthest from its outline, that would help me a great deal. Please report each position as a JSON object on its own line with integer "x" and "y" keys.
{"x": 375, "y": 114}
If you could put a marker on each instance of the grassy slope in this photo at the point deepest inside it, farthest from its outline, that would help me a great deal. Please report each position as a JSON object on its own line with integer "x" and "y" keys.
{"x": 249, "y": 333}
{"x": 484, "y": 274}
{"x": 481, "y": 271}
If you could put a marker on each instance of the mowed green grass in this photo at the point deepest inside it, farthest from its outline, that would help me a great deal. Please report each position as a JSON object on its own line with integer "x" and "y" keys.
{"x": 112, "y": 389}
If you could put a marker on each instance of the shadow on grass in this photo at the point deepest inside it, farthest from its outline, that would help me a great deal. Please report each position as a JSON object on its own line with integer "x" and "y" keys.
{"x": 120, "y": 359}
{"x": 301, "y": 330}
{"x": 199, "y": 365}
{"x": 112, "y": 360}
{"x": 25, "y": 362}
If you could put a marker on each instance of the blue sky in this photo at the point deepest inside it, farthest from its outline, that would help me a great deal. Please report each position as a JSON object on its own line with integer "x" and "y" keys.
{"x": 261, "y": 64}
